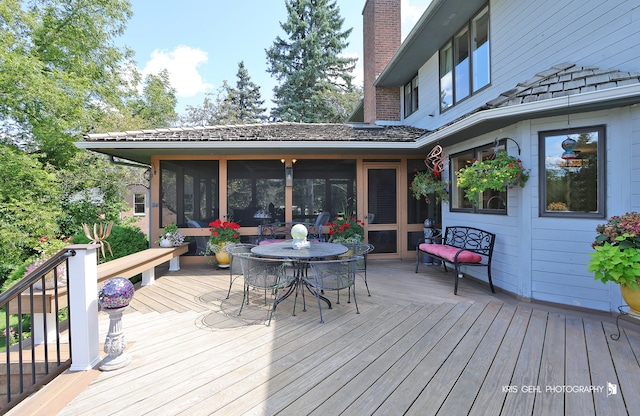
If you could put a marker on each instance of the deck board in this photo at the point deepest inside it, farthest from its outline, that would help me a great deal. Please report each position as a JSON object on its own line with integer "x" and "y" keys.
{"x": 552, "y": 373}
{"x": 415, "y": 348}
{"x": 475, "y": 373}
{"x": 576, "y": 368}
{"x": 602, "y": 370}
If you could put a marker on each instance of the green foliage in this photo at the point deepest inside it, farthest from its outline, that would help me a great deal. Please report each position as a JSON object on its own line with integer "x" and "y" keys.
{"x": 308, "y": 65}
{"x": 498, "y": 174}
{"x": 157, "y": 106}
{"x": 93, "y": 190}
{"x": 617, "y": 250}
{"x": 611, "y": 263}
{"x": 60, "y": 71}
{"x": 229, "y": 105}
{"x": 29, "y": 208}
{"x": 124, "y": 240}
{"x": 346, "y": 229}
{"x": 16, "y": 274}
{"x": 429, "y": 182}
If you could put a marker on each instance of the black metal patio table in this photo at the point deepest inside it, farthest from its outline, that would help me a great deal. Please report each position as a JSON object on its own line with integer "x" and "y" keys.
{"x": 299, "y": 257}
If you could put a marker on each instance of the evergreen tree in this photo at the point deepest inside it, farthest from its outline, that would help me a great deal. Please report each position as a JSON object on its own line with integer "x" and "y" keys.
{"x": 245, "y": 98}
{"x": 229, "y": 105}
{"x": 308, "y": 65}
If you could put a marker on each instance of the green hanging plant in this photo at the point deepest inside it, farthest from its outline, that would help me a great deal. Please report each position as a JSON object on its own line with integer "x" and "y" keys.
{"x": 499, "y": 173}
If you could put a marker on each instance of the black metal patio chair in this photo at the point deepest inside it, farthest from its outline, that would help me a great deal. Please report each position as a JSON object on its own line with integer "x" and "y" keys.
{"x": 332, "y": 275}
{"x": 263, "y": 273}
{"x": 235, "y": 266}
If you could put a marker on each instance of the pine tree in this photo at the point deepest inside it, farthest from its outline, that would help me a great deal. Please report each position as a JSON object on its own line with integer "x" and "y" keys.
{"x": 308, "y": 66}
{"x": 245, "y": 98}
{"x": 229, "y": 105}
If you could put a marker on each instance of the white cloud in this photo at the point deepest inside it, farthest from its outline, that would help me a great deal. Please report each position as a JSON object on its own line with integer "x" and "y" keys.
{"x": 411, "y": 11}
{"x": 182, "y": 64}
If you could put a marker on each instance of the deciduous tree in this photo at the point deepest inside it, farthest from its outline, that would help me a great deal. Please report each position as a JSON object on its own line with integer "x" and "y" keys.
{"x": 60, "y": 70}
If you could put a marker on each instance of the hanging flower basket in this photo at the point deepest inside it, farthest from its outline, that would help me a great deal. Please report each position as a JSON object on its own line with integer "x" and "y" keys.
{"x": 429, "y": 182}
{"x": 499, "y": 174}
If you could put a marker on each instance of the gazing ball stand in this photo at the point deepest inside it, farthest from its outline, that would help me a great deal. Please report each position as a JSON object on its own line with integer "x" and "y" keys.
{"x": 114, "y": 297}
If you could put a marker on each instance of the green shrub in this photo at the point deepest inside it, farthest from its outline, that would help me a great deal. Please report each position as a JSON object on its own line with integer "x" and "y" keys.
{"x": 124, "y": 240}
{"x": 16, "y": 274}
{"x": 5, "y": 272}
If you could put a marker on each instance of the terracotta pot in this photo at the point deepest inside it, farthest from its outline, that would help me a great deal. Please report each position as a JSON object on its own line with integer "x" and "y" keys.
{"x": 631, "y": 297}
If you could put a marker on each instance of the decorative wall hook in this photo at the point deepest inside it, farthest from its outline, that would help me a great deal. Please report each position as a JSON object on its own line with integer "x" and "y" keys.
{"x": 497, "y": 141}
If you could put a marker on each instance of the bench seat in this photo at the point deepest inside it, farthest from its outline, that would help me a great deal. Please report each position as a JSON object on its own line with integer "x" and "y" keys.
{"x": 128, "y": 266}
{"x": 461, "y": 246}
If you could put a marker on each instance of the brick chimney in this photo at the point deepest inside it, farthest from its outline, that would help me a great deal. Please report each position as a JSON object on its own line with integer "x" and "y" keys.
{"x": 381, "y": 38}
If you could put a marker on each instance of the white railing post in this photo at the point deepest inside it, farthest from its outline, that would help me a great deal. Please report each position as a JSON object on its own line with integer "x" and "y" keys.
{"x": 83, "y": 307}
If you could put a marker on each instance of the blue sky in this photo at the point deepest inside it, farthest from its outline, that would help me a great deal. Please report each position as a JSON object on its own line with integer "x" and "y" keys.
{"x": 201, "y": 42}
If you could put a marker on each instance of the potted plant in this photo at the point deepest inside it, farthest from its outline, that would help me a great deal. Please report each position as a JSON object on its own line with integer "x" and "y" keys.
{"x": 499, "y": 173}
{"x": 346, "y": 229}
{"x": 429, "y": 182}
{"x": 170, "y": 236}
{"x": 222, "y": 232}
{"x": 617, "y": 256}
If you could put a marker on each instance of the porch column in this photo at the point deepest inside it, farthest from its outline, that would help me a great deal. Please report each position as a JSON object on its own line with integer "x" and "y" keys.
{"x": 83, "y": 307}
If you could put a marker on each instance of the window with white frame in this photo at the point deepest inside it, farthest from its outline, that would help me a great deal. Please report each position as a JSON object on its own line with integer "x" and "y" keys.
{"x": 465, "y": 65}
{"x": 139, "y": 204}
{"x": 411, "y": 97}
{"x": 572, "y": 174}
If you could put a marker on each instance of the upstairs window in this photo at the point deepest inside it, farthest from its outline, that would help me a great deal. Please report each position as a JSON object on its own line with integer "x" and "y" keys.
{"x": 465, "y": 61}
{"x": 411, "y": 97}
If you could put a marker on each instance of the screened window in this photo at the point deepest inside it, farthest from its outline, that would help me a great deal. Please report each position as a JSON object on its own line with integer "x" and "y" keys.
{"x": 465, "y": 61}
{"x": 572, "y": 181}
{"x": 490, "y": 201}
{"x": 411, "y": 97}
{"x": 256, "y": 191}
{"x": 323, "y": 185}
{"x": 189, "y": 192}
{"x": 419, "y": 210}
{"x": 139, "y": 204}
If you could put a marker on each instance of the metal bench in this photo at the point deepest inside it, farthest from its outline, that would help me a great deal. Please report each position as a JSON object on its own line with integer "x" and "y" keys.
{"x": 461, "y": 246}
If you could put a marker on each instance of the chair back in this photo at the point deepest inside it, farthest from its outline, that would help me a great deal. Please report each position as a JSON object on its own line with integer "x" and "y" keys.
{"x": 201, "y": 242}
{"x": 264, "y": 273}
{"x": 234, "y": 250}
{"x": 321, "y": 220}
{"x": 358, "y": 249}
{"x": 334, "y": 274}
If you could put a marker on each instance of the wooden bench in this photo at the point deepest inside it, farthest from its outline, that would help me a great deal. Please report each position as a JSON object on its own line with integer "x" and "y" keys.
{"x": 461, "y": 246}
{"x": 128, "y": 266}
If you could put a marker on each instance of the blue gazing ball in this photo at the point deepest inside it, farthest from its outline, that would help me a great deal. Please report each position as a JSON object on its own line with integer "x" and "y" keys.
{"x": 115, "y": 293}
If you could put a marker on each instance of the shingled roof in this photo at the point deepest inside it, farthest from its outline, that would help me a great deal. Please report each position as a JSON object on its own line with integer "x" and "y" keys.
{"x": 269, "y": 132}
{"x": 562, "y": 80}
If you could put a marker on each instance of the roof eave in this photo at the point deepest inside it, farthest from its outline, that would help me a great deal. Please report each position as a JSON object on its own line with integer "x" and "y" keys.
{"x": 440, "y": 21}
{"x": 485, "y": 121}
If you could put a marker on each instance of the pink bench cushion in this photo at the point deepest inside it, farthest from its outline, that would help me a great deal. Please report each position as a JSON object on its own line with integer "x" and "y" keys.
{"x": 449, "y": 253}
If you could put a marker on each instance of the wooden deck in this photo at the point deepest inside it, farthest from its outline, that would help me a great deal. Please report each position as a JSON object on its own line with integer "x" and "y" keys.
{"x": 414, "y": 349}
